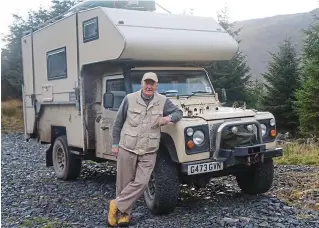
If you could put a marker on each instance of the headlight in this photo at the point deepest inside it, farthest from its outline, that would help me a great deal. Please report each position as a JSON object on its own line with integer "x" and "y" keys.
{"x": 189, "y": 131}
{"x": 234, "y": 130}
{"x": 198, "y": 137}
{"x": 272, "y": 122}
{"x": 250, "y": 127}
{"x": 263, "y": 129}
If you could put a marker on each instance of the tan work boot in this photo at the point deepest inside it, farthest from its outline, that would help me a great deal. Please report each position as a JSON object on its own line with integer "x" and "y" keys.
{"x": 112, "y": 213}
{"x": 124, "y": 220}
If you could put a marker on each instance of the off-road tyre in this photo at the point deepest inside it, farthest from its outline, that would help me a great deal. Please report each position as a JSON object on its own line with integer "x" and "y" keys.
{"x": 257, "y": 179}
{"x": 166, "y": 186}
{"x": 70, "y": 168}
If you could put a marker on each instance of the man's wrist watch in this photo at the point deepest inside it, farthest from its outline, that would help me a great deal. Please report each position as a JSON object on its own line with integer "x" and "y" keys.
{"x": 170, "y": 116}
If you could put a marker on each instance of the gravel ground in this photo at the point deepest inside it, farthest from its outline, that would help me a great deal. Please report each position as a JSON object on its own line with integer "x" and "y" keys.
{"x": 33, "y": 197}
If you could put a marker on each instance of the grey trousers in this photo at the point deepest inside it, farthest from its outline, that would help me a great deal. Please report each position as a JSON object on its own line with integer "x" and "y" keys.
{"x": 133, "y": 174}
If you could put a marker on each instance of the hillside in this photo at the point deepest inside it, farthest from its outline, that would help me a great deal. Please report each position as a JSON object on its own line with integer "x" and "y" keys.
{"x": 262, "y": 35}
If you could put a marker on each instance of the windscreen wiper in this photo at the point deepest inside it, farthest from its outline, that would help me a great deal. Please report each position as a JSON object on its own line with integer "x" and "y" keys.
{"x": 169, "y": 92}
{"x": 200, "y": 91}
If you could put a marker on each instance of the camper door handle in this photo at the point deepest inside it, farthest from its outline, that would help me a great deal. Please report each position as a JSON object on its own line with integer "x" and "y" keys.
{"x": 104, "y": 128}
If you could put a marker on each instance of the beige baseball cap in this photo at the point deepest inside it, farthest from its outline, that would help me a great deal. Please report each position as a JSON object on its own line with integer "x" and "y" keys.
{"x": 151, "y": 76}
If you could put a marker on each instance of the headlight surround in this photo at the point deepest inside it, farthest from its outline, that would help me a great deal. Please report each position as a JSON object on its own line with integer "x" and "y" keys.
{"x": 198, "y": 137}
{"x": 268, "y": 129}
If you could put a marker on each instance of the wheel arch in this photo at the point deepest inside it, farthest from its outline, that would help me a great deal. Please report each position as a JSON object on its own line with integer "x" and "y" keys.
{"x": 56, "y": 131}
{"x": 168, "y": 145}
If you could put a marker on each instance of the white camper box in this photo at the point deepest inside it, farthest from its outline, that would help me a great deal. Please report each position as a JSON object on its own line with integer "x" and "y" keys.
{"x": 60, "y": 89}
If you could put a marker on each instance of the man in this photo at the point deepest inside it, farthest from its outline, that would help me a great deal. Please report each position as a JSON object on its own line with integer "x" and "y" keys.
{"x": 136, "y": 138}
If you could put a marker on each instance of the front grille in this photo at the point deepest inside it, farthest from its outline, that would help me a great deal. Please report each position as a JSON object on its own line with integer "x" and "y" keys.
{"x": 242, "y": 137}
{"x": 229, "y": 140}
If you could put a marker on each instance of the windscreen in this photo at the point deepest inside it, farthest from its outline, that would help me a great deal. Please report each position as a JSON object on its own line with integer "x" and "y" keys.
{"x": 173, "y": 83}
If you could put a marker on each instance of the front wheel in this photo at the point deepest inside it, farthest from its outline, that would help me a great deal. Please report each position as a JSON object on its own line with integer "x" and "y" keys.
{"x": 67, "y": 166}
{"x": 162, "y": 192}
{"x": 257, "y": 179}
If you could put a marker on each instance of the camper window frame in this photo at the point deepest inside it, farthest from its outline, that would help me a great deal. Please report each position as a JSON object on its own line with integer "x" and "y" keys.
{"x": 91, "y": 38}
{"x": 51, "y": 53}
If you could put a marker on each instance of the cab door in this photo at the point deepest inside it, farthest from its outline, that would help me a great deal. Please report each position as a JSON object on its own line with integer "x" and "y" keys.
{"x": 105, "y": 120}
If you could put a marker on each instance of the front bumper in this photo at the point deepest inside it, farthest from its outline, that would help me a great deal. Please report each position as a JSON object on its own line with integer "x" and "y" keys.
{"x": 216, "y": 135}
{"x": 223, "y": 160}
{"x": 231, "y": 160}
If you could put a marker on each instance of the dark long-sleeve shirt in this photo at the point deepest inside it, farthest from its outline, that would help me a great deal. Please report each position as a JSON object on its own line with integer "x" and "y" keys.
{"x": 169, "y": 109}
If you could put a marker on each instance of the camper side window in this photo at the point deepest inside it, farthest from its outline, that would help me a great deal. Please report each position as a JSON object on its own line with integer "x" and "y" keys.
{"x": 117, "y": 87}
{"x": 90, "y": 30}
{"x": 56, "y": 64}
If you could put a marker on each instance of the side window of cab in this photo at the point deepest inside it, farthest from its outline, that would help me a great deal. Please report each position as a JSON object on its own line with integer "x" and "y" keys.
{"x": 117, "y": 87}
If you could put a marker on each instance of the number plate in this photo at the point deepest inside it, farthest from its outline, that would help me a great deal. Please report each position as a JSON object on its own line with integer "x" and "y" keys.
{"x": 204, "y": 167}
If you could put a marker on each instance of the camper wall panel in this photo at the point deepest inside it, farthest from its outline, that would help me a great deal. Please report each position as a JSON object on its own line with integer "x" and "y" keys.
{"x": 63, "y": 115}
{"x": 27, "y": 64}
{"x": 107, "y": 46}
{"x": 52, "y": 46}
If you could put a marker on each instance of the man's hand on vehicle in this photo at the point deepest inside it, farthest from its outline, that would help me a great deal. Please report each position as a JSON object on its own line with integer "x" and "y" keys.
{"x": 115, "y": 150}
{"x": 165, "y": 120}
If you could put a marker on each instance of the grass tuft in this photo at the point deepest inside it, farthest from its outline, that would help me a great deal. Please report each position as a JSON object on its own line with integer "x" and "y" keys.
{"x": 299, "y": 154}
{"x": 12, "y": 116}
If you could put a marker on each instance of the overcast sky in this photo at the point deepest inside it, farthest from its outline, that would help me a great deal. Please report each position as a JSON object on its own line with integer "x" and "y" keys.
{"x": 238, "y": 9}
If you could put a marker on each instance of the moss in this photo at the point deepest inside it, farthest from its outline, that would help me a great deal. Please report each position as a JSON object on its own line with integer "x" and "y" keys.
{"x": 44, "y": 221}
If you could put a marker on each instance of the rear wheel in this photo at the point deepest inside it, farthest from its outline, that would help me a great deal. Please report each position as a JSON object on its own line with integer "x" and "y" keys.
{"x": 162, "y": 192}
{"x": 256, "y": 179}
{"x": 67, "y": 166}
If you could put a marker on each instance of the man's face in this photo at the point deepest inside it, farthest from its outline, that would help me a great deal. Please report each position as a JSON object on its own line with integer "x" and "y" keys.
{"x": 149, "y": 87}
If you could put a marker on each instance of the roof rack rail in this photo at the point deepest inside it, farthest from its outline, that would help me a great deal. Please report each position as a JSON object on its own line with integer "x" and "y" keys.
{"x": 70, "y": 12}
{"x": 53, "y": 20}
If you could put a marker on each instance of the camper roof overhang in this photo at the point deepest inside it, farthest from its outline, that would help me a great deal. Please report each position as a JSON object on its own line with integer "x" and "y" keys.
{"x": 158, "y": 37}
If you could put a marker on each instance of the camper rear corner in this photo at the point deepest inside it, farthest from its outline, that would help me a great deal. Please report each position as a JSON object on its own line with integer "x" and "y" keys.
{"x": 50, "y": 73}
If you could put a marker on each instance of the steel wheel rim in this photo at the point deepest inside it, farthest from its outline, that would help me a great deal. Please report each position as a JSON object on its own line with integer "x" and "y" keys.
{"x": 151, "y": 187}
{"x": 60, "y": 159}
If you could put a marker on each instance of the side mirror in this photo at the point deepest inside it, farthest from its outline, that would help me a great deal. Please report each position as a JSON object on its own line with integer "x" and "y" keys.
{"x": 224, "y": 96}
{"x": 108, "y": 100}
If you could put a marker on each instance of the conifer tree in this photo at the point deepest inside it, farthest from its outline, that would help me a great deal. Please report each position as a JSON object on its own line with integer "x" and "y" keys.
{"x": 282, "y": 81}
{"x": 308, "y": 95}
{"x": 255, "y": 91}
{"x": 232, "y": 75}
{"x": 11, "y": 54}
